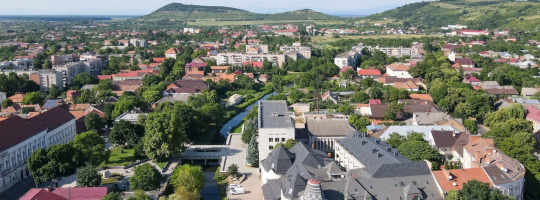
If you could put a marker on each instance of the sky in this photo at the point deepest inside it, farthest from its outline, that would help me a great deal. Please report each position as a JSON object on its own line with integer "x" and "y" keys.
{"x": 142, "y": 7}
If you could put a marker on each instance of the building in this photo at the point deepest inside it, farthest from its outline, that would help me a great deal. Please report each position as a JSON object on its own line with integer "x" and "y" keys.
{"x": 296, "y": 50}
{"x": 301, "y": 173}
{"x": 448, "y": 180}
{"x": 349, "y": 58}
{"x": 238, "y": 59}
{"x": 275, "y": 125}
{"x": 74, "y": 193}
{"x": 21, "y": 137}
{"x": 377, "y": 171}
{"x": 256, "y": 48}
{"x": 138, "y": 43}
{"x": 369, "y": 73}
{"x": 398, "y": 70}
{"x": 171, "y": 53}
{"x": 70, "y": 70}
{"x": 324, "y": 129}
{"x": 181, "y": 90}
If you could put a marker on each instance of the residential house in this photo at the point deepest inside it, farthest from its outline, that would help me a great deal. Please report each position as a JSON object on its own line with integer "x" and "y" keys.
{"x": 181, "y": 90}
{"x": 171, "y": 53}
{"x": 454, "y": 179}
{"x": 398, "y": 70}
{"x": 119, "y": 87}
{"x": 369, "y": 73}
{"x": 533, "y": 115}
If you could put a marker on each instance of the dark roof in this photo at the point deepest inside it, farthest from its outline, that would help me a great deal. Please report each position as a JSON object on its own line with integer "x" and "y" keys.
{"x": 16, "y": 129}
{"x": 279, "y": 160}
{"x": 444, "y": 139}
{"x": 274, "y": 114}
{"x": 188, "y": 86}
{"x": 464, "y": 61}
{"x": 329, "y": 127}
{"x": 417, "y": 105}
{"x": 378, "y": 110}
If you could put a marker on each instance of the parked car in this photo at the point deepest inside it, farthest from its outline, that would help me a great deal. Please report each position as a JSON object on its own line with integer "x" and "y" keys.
{"x": 238, "y": 190}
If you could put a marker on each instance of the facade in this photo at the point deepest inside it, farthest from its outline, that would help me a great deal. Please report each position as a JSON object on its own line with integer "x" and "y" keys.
{"x": 70, "y": 70}
{"x": 275, "y": 125}
{"x": 21, "y": 137}
{"x": 398, "y": 70}
{"x": 324, "y": 129}
{"x": 238, "y": 59}
{"x": 347, "y": 59}
{"x": 138, "y": 43}
{"x": 297, "y": 50}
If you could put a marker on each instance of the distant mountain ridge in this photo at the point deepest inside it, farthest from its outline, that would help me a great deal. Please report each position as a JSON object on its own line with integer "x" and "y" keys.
{"x": 185, "y": 12}
{"x": 492, "y": 14}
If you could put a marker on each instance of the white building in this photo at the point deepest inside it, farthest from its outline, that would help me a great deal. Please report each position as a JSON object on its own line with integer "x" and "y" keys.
{"x": 21, "y": 137}
{"x": 296, "y": 49}
{"x": 138, "y": 43}
{"x": 239, "y": 59}
{"x": 349, "y": 58}
{"x": 275, "y": 125}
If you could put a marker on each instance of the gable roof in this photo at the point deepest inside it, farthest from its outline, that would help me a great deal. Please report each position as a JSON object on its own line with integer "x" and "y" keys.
{"x": 187, "y": 86}
{"x": 459, "y": 177}
{"x": 16, "y": 129}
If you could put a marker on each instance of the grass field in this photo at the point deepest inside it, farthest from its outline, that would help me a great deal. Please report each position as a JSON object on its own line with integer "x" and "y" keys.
{"x": 120, "y": 157}
{"x": 330, "y": 39}
{"x": 257, "y": 22}
{"x": 238, "y": 129}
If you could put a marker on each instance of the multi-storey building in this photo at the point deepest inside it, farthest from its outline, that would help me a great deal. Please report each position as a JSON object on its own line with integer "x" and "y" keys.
{"x": 21, "y": 137}
{"x": 275, "y": 125}
{"x": 139, "y": 43}
{"x": 296, "y": 50}
{"x": 238, "y": 59}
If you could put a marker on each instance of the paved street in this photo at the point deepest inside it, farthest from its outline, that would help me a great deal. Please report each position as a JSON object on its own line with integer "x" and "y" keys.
{"x": 252, "y": 182}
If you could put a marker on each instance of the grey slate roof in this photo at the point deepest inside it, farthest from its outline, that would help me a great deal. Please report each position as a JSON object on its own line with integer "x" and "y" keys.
{"x": 279, "y": 160}
{"x": 274, "y": 114}
{"x": 329, "y": 127}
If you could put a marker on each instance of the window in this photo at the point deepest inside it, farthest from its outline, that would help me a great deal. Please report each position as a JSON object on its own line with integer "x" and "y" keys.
{"x": 270, "y": 139}
{"x": 283, "y": 139}
{"x": 276, "y": 139}
{"x": 270, "y": 147}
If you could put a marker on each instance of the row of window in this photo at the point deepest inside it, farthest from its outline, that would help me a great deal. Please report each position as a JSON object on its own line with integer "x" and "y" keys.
{"x": 276, "y": 139}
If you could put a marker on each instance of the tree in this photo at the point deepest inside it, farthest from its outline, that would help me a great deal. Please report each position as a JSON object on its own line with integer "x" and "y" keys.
{"x": 233, "y": 170}
{"x": 54, "y": 91}
{"x": 125, "y": 103}
{"x": 125, "y": 133}
{"x": 453, "y": 195}
{"x": 91, "y": 146}
{"x": 395, "y": 140}
{"x": 359, "y": 122}
{"x": 88, "y": 177}
{"x": 252, "y": 157}
{"x": 394, "y": 109}
{"x": 7, "y": 103}
{"x": 113, "y": 196}
{"x": 56, "y": 161}
{"x": 33, "y": 98}
{"x": 182, "y": 193}
{"x": 250, "y": 130}
{"x": 189, "y": 177}
{"x": 165, "y": 132}
{"x": 471, "y": 125}
{"x": 82, "y": 79}
{"x": 475, "y": 190}
{"x": 145, "y": 177}
{"x": 35, "y": 163}
{"x": 92, "y": 121}
{"x": 139, "y": 195}
{"x": 419, "y": 150}
{"x": 346, "y": 109}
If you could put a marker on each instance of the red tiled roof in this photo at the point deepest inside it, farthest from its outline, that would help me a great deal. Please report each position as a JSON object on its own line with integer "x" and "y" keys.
{"x": 369, "y": 72}
{"x": 533, "y": 114}
{"x": 425, "y": 97}
{"x": 158, "y": 60}
{"x": 104, "y": 77}
{"x": 374, "y": 101}
{"x": 76, "y": 193}
{"x": 459, "y": 177}
{"x": 16, "y": 129}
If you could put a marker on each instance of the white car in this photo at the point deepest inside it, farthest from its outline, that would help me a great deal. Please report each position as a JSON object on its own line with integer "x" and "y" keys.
{"x": 238, "y": 190}
{"x": 234, "y": 186}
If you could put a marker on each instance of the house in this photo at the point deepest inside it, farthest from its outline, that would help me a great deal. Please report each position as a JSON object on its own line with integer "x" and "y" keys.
{"x": 533, "y": 115}
{"x": 275, "y": 125}
{"x": 330, "y": 96}
{"x": 196, "y": 66}
{"x": 424, "y": 97}
{"x": 398, "y": 70}
{"x": 133, "y": 116}
{"x": 21, "y": 137}
{"x": 470, "y": 79}
{"x": 375, "y": 170}
{"x": 464, "y": 63}
{"x": 72, "y": 193}
{"x": 527, "y": 92}
{"x": 454, "y": 179}
{"x": 171, "y": 53}
{"x": 369, "y": 73}
{"x": 181, "y": 90}
{"x": 505, "y": 174}
{"x": 219, "y": 69}
{"x": 80, "y": 111}
{"x": 119, "y": 87}
{"x": 408, "y": 129}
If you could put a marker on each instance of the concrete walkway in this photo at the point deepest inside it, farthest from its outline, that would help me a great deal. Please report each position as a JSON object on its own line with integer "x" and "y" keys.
{"x": 252, "y": 182}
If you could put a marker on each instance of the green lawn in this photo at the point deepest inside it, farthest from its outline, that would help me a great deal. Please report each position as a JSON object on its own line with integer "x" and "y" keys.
{"x": 238, "y": 129}
{"x": 120, "y": 157}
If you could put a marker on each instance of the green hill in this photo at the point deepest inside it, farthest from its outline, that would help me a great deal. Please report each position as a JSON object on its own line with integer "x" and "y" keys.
{"x": 184, "y": 12}
{"x": 508, "y": 14}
